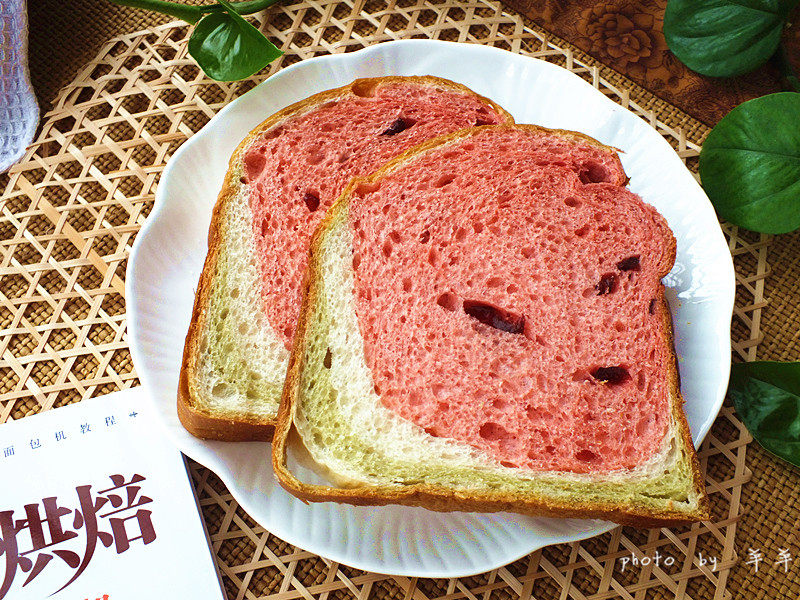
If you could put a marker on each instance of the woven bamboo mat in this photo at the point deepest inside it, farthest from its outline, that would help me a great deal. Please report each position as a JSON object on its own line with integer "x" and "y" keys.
{"x": 71, "y": 210}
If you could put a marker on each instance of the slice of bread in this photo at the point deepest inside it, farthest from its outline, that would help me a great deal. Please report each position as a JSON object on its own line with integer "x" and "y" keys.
{"x": 484, "y": 328}
{"x": 281, "y": 180}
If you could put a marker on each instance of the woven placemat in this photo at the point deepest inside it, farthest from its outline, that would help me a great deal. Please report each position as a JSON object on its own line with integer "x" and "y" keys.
{"x": 71, "y": 210}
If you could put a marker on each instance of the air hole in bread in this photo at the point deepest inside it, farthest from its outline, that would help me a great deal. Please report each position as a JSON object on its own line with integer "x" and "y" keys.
{"x": 315, "y": 157}
{"x": 264, "y": 226}
{"x": 364, "y": 88}
{"x": 220, "y": 390}
{"x": 493, "y": 432}
{"x": 448, "y": 301}
{"x": 362, "y": 189}
{"x": 586, "y": 456}
{"x": 444, "y": 180}
{"x": 494, "y": 282}
{"x": 356, "y": 260}
{"x": 640, "y": 381}
{"x": 311, "y": 199}
{"x": 234, "y": 293}
{"x": 438, "y": 390}
{"x": 326, "y": 362}
{"x": 593, "y": 172}
{"x": 243, "y": 180}
{"x": 582, "y": 231}
{"x": 424, "y": 237}
{"x": 387, "y": 248}
{"x": 615, "y": 375}
{"x": 579, "y": 375}
{"x": 608, "y": 284}
{"x": 433, "y": 257}
{"x": 500, "y": 403}
{"x": 399, "y": 125}
{"x": 629, "y": 264}
{"x": 407, "y": 285}
{"x": 572, "y": 202}
{"x": 652, "y": 308}
{"x": 254, "y": 163}
{"x": 505, "y": 199}
{"x": 494, "y": 316}
{"x": 477, "y": 226}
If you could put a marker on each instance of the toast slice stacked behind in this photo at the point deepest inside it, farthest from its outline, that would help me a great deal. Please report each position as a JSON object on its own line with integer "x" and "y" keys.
{"x": 280, "y": 182}
{"x": 484, "y": 328}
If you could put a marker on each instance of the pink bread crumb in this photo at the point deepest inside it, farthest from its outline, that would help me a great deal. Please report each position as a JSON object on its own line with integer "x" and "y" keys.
{"x": 505, "y": 290}
{"x": 299, "y": 169}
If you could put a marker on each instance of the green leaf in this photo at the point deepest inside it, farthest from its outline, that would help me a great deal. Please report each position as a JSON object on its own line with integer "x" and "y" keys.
{"x": 767, "y": 398}
{"x": 723, "y": 38}
{"x": 228, "y": 48}
{"x": 750, "y": 164}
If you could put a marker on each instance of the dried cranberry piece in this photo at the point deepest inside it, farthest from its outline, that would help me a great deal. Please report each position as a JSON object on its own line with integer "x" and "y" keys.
{"x": 312, "y": 201}
{"x": 629, "y": 264}
{"x": 611, "y": 375}
{"x": 426, "y": 235}
{"x": 608, "y": 284}
{"x": 493, "y": 316}
{"x": 398, "y": 126}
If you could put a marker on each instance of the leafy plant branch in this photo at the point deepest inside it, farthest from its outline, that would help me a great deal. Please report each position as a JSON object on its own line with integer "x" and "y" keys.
{"x": 223, "y": 43}
{"x": 750, "y": 162}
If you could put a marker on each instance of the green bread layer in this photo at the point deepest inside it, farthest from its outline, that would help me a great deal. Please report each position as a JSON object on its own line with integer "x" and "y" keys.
{"x": 237, "y": 381}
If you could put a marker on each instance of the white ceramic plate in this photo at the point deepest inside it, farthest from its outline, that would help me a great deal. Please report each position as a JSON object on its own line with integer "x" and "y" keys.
{"x": 169, "y": 251}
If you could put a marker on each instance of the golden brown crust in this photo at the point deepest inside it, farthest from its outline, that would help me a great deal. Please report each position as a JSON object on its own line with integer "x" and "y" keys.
{"x": 704, "y": 507}
{"x": 445, "y": 499}
{"x": 205, "y": 424}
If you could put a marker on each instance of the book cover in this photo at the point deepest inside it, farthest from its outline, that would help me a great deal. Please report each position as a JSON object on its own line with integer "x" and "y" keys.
{"x": 96, "y": 503}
